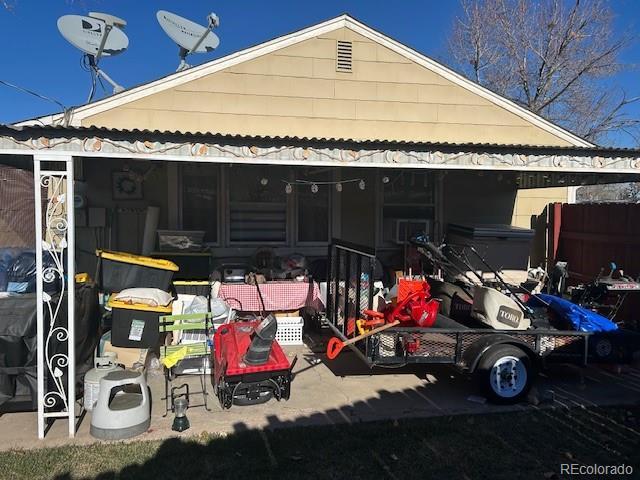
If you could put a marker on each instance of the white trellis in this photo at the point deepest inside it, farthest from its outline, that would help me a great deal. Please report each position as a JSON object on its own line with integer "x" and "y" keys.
{"x": 55, "y": 284}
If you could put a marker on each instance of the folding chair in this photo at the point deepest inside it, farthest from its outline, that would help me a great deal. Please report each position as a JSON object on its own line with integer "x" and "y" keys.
{"x": 193, "y": 331}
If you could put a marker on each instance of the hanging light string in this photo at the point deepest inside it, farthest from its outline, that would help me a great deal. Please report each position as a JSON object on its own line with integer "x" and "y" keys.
{"x": 314, "y": 184}
{"x": 310, "y": 182}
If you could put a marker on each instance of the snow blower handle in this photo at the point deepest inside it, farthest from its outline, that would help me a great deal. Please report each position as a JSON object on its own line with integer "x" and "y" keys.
{"x": 253, "y": 276}
{"x": 335, "y": 345}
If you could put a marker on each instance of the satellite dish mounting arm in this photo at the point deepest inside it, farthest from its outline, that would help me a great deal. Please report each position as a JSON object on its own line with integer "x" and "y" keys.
{"x": 214, "y": 22}
{"x": 98, "y": 55}
{"x": 117, "y": 88}
{"x": 109, "y": 22}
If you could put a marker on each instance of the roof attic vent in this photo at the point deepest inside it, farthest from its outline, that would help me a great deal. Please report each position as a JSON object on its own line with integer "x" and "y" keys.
{"x": 344, "y": 57}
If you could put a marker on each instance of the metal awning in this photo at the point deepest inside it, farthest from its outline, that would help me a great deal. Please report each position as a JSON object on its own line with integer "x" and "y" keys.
{"x": 540, "y": 161}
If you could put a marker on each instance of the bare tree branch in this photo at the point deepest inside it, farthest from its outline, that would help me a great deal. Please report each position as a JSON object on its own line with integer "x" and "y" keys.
{"x": 555, "y": 57}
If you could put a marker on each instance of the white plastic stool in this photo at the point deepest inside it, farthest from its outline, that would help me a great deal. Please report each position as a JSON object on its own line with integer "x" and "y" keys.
{"x": 123, "y": 409}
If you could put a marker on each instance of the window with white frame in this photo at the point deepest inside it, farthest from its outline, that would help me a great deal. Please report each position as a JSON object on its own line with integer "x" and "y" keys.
{"x": 200, "y": 186}
{"x": 407, "y": 205}
{"x": 253, "y": 202}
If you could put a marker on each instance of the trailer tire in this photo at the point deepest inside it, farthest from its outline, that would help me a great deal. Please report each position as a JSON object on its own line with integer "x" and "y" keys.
{"x": 505, "y": 373}
{"x": 603, "y": 349}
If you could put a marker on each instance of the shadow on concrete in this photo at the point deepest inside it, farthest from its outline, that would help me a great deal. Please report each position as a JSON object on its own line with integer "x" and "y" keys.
{"x": 532, "y": 443}
{"x": 387, "y": 434}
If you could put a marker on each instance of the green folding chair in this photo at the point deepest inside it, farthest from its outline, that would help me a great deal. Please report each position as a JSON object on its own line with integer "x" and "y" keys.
{"x": 198, "y": 354}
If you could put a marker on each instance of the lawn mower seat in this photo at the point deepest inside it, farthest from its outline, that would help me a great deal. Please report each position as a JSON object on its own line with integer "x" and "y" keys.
{"x": 261, "y": 341}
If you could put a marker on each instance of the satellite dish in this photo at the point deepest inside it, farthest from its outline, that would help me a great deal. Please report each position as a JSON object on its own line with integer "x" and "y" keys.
{"x": 97, "y": 35}
{"x": 86, "y": 34}
{"x": 190, "y": 36}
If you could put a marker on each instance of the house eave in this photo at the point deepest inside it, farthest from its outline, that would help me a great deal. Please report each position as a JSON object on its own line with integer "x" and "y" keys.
{"x": 217, "y": 148}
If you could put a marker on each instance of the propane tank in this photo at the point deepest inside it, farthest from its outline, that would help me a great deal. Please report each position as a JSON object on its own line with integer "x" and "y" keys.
{"x": 102, "y": 366}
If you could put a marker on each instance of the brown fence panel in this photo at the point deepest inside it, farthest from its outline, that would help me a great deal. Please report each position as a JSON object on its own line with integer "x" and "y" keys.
{"x": 593, "y": 235}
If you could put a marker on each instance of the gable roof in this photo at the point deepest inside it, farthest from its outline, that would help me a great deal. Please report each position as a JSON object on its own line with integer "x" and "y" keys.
{"x": 343, "y": 21}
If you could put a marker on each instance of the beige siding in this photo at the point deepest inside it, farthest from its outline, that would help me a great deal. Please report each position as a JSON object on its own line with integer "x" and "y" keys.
{"x": 296, "y": 91}
{"x": 532, "y": 202}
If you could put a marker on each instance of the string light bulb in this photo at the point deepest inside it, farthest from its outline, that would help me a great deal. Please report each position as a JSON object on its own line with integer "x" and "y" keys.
{"x": 385, "y": 179}
{"x": 288, "y": 189}
{"x": 264, "y": 181}
{"x": 338, "y": 187}
{"x": 361, "y": 185}
{"x": 314, "y": 188}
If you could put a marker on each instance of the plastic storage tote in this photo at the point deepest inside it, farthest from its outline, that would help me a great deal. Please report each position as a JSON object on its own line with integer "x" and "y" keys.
{"x": 135, "y": 325}
{"x": 193, "y": 287}
{"x": 118, "y": 271}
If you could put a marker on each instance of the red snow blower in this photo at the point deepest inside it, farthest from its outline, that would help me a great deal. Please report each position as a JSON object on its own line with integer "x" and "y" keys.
{"x": 250, "y": 366}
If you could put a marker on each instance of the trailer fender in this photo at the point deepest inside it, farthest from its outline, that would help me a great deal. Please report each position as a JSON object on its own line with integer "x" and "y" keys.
{"x": 472, "y": 355}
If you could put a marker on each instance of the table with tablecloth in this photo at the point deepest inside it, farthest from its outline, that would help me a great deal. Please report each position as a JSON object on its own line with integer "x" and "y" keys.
{"x": 277, "y": 296}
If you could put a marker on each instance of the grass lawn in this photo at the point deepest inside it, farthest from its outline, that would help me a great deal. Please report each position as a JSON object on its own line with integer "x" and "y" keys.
{"x": 522, "y": 445}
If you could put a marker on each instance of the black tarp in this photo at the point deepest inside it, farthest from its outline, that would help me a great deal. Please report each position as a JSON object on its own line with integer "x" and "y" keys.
{"x": 18, "y": 342}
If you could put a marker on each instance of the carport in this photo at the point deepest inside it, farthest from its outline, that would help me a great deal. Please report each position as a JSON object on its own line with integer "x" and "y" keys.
{"x": 467, "y": 177}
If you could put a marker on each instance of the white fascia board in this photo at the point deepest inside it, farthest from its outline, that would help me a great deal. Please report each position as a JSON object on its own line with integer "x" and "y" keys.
{"x": 60, "y": 155}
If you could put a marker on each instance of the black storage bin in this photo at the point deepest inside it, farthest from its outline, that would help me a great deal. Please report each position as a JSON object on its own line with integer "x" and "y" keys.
{"x": 135, "y": 325}
{"x": 503, "y": 246}
{"x": 195, "y": 287}
{"x": 118, "y": 271}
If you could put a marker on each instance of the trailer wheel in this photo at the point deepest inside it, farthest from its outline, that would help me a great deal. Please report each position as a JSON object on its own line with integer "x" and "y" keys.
{"x": 603, "y": 349}
{"x": 505, "y": 373}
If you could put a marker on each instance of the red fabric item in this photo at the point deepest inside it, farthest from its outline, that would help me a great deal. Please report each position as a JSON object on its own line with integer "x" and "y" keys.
{"x": 285, "y": 295}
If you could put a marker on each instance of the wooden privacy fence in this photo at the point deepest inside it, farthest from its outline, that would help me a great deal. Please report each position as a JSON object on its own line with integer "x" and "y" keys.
{"x": 590, "y": 236}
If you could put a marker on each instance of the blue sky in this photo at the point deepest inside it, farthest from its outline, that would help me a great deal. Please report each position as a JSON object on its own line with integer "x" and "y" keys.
{"x": 35, "y": 56}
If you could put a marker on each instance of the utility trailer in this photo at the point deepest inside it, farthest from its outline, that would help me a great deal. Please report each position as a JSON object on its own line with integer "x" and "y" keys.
{"x": 505, "y": 361}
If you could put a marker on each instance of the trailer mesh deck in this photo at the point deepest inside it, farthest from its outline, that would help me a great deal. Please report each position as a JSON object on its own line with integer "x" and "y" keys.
{"x": 446, "y": 346}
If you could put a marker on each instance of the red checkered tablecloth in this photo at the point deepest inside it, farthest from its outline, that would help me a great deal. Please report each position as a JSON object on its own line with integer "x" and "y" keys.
{"x": 285, "y": 295}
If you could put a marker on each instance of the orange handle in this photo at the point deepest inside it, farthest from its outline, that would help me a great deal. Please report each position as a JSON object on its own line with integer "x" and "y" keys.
{"x": 334, "y": 347}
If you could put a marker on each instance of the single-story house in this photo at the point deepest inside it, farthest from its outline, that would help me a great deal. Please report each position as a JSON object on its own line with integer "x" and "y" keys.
{"x": 333, "y": 131}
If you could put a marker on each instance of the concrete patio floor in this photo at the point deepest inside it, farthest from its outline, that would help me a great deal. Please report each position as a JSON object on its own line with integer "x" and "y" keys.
{"x": 347, "y": 391}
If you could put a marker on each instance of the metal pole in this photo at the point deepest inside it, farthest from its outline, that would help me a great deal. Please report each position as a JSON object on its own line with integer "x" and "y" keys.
{"x": 200, "y": 40}
{"x": 39, "y": 305}
{"x": 107, "y": 30}
{"x": 116, "y": 87}
{"x": 71, "y": 283}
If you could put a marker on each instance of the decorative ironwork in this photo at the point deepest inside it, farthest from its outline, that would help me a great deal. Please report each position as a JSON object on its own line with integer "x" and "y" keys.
{"x": 54, "y": 246}
{"x": 54, "y": 287}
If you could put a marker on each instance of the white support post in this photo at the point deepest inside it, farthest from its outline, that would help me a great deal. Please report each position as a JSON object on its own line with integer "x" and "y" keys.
{"x": 71, "y": 283}
{"x": 55, "y": 256}
{"x": 39, "y": 303}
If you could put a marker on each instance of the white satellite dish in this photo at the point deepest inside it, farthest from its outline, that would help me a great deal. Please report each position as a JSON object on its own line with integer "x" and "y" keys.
{"x": 190, "y": 36}
{"x": 98, "y": 35}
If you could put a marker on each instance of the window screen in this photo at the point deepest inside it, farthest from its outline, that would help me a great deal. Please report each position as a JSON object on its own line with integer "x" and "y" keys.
{"x": 257, "y": 204}
{"x": 313, "y": 208}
